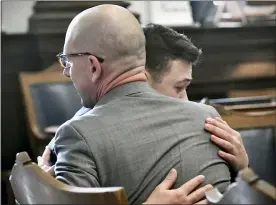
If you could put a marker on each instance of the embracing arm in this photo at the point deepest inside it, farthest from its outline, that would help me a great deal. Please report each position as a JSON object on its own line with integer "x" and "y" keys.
{"x": 206, "y": 158}
{"x": 75, "y": 164}
{"x": 230, "y": 143}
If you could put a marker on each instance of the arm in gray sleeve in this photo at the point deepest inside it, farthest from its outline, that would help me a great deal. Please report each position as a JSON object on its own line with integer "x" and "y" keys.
{"x": 75, "y": 165}
{"x": 201, "y": 155}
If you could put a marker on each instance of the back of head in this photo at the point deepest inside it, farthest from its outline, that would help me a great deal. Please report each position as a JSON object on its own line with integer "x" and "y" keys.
{"x": 109, "y": 31}
{"x": 113, "y": 43}
{"x": 164, "y": 45}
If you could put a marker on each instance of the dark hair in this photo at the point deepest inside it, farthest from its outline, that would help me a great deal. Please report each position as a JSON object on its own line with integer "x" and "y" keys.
{"x": 164, "y": 45}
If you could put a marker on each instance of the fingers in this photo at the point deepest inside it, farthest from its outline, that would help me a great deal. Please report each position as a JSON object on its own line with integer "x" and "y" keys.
{"x": 230, "y": 154}
{"x": 227, "y": 157}
{"x": 220, "y": 124}
{"x": 229, "y": 129}
{"x": 39, "y": 161}
{"x": 46, "y": 155}
{"x": 221, "y": 120}
{"x": 205, "y": 201}
{"x": 218, "y": 132}
{"x": 45, "y": 168}
{"x": 169, "y": 180}
{"x": 227, "y": 146}
{"x": 51, "y": 171}
{"x": 199, "y": 194}
{"x": 44, "y": 161}
{"x": 189, "y": 186}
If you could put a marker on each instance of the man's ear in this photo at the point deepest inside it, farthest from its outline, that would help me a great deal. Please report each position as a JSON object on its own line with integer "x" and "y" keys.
{"x": 95, "y": 69}
{"x": 148, "y": 76}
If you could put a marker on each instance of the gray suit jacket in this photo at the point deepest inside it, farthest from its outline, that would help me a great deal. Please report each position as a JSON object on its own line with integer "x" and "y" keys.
{"x": 133, "y": 137}
{"x": 51, "y": 145}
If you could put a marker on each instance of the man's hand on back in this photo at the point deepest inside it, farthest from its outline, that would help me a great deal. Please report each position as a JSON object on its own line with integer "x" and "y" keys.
{"x": 162, "y": 194}
{"x": 186, "y": 194}
{"x": 44, "y": 162}
{"x": 229, "y": 140}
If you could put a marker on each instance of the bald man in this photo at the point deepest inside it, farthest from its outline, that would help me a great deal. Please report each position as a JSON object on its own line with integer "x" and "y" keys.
{"x": 133, "y": 136}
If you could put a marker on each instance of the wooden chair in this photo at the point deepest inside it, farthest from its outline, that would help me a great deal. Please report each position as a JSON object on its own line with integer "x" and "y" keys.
{"x": 248, "y": 189}
{"x": 50, "y": 99}
{"x": 31, "y": 185}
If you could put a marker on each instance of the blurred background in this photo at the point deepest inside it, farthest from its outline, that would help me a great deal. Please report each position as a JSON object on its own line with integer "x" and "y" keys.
{"x": 237, "y": 71}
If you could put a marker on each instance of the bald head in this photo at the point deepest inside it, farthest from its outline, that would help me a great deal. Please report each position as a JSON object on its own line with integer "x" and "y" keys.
{"x": 108, "y": 31}
{"x": 111, "y": 33}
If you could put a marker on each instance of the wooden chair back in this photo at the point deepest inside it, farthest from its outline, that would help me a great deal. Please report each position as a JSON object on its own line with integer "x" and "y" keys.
{"x": 50, "y": 99}
{"x": 31, "y": 185}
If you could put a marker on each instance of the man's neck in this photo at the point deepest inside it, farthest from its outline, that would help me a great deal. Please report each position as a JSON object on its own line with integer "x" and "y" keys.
{"x": 136, "y": 74}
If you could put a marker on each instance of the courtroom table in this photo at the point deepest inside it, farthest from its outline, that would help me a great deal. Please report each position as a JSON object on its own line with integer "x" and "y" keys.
{"x": 247, "y": 112}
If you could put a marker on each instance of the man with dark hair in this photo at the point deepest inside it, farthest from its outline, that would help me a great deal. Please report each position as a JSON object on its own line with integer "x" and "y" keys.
{"x": 169, "y": 60}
